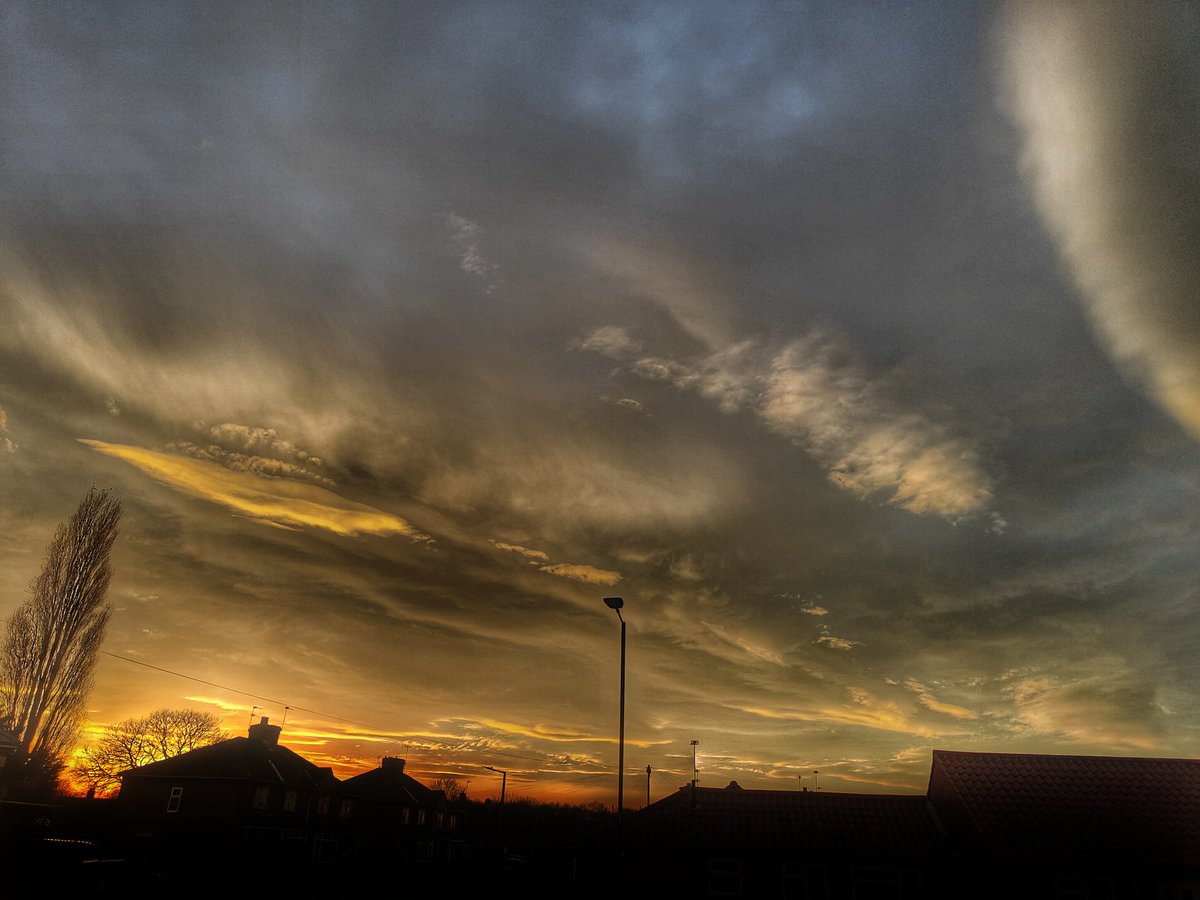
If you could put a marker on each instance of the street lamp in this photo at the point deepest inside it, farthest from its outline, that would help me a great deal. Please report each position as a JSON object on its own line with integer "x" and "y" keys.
{"x": 615, "y": 604}
{"x": 503, "y": 781}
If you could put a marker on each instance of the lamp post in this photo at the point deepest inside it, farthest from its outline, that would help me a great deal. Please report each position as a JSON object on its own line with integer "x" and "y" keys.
{"x": 615, "y": 604}
{"x": 503, "y": 781}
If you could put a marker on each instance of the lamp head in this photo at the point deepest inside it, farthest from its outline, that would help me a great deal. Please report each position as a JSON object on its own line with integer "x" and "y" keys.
{"x": 614, "y": 602}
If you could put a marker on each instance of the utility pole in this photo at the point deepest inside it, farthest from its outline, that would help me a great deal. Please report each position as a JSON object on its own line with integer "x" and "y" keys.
{"x": 647, "y": 785}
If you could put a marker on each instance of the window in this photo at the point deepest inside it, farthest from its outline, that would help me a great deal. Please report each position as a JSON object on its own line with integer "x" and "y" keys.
{"x": 325, "y": 847}
{"x": 345, "y": 811}
{"x": 1178, "y": 890}
{"x": 323, "y": 805}
{"x": 420, "y": 817}
{"x": 439, "y": 820}
{"x": 804, "y": 881}
{"x": 405, "y": 815}
{"x": 289, "y": 801}
{"x": 175, "y": 799}
{"x": 886, "y": 884}
{"x": 262, "y": 796}
{"x": 453, "y": 821}
{"x": 725, "y": 878}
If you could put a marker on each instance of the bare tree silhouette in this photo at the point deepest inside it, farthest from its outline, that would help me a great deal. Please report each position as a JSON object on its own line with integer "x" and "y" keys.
{"x": 50, "y": 644}
{"x": 138, "y": 741}
{"x": 454, "y": 788}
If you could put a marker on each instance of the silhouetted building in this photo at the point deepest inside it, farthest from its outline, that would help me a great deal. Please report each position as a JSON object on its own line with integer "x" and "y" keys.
{"x": 992, "y": 825}
{"x": 1034, "y": 825}
{"x": 749, "y": 843}
{"x": 402, "y": 819}
{"x": 246, "y": 795}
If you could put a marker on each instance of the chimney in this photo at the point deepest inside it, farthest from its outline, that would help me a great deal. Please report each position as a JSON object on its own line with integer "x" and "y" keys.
{"x": 393, "y": 764}
{"x": 265, "y": 733}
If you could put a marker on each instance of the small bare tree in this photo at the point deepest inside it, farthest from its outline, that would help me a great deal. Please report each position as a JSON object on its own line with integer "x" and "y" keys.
{"x": 135, "y": 742}
{"x": 48, "y": 654}
{"x": 452, "y": 787}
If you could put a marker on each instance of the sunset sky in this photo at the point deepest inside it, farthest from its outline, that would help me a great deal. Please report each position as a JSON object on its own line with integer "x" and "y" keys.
{"x": 855, "y": 345}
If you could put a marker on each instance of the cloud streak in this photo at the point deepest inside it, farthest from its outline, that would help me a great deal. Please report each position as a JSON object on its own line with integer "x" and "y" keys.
{"x": 584, "y": 573}
{"x": 279, "y": 502}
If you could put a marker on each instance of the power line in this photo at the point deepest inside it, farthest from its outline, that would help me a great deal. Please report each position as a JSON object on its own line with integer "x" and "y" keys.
{"x": 224, "y": 687}
{"x": 446, "y": 748}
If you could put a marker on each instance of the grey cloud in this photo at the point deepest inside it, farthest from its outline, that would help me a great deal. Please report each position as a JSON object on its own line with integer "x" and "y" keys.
{"x": 813, "y": 391}
{"x": 1106, "y": 96}
{"x": 259, "y": 440}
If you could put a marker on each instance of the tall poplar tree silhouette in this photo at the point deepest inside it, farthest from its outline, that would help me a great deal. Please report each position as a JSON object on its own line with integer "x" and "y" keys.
{"x": 50, "y": 644}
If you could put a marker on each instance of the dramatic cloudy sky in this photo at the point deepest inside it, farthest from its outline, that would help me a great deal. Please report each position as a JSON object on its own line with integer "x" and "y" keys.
{"x": 857, "y": 346}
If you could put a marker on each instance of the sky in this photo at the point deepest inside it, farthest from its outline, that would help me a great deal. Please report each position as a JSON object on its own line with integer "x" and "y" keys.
{"x": 856, "y": 346}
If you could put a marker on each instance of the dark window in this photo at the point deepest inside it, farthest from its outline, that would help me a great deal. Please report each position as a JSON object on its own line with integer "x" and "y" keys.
{"x": 175, "y": 799}
{"x": 804, "y": 881}
{"x": 725, "y": 878}
{"x": 1178, "y": 890}
{"x": 262, "y": 796}
{"x": 887, "y": 884}
{"x": 345, "y": 809}
{"x": 289, "y": 801}
{"x": 325, "y": 847}
{"x": 323, "y": 806}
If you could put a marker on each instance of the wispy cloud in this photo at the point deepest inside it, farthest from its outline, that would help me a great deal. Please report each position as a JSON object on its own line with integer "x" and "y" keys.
{"x": 837, "y": 643}
{"x": 6, "y": 445}
{"x": 752, "y": 648}
{"x": 813, "y": 391}
{"x": 241, "y": 462}
{"x": 465, "y": 235}
{"x": 533, "y": 555}
{"x": 611, "y": 340}
{"x": 584, "y": 573}
{"x": 1110, "y": 710}
{"x": 926, "y": 698}
{"x": 276, "y": 501}
{"x": 863, "y": 709}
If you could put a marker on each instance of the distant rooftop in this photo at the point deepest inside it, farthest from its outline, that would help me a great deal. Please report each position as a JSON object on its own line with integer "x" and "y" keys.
{"x": 1085, "y": 807}
{"x": 825, "y": 823}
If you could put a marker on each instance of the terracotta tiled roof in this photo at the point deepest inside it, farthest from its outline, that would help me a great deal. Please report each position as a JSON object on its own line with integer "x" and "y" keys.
{"x": 1031, "y": 806}
{"x": 810, "y": 823}
{"x": 238, "y": 758}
